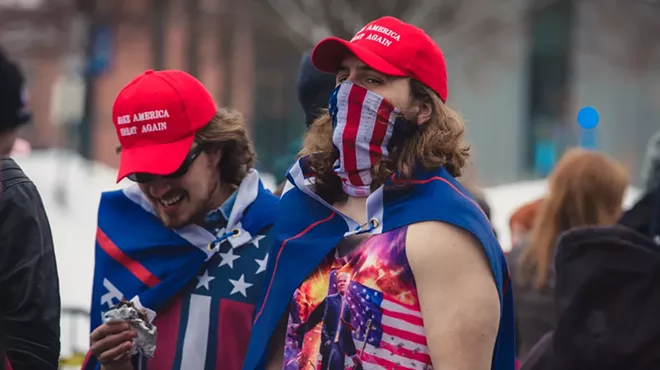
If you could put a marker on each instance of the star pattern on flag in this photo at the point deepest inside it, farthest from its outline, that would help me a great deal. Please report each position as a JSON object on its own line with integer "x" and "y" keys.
{"x": 262, "y": 264}
{"x": 256, "y": 240}
{"x": 228, "y": 258}
{"x": 240, "y": 286}
{"x": 204, "y": 280}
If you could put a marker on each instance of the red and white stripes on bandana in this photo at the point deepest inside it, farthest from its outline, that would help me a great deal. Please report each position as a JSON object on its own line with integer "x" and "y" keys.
{"x": 362, "y": 127}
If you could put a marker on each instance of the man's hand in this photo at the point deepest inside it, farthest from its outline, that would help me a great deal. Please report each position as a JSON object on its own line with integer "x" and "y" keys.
{"x": 111, "y": 344}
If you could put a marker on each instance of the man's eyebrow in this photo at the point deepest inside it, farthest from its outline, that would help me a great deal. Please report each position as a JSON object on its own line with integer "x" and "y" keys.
{"x": 363, "y": 68}
{"x": 366, "y": 68}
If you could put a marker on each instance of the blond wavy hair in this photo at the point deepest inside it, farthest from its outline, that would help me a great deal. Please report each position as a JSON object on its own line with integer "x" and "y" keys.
{"x": 226, "y": 132}
{"x": 586, "y": 188}
{"x": 437, "y": 143}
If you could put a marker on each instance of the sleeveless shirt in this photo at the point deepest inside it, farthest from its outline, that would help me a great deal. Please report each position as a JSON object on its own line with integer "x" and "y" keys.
{"x": 359, "y": 311}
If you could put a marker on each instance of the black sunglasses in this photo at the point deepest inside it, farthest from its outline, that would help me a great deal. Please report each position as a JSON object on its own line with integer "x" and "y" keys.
{"x": 142, "y": 177}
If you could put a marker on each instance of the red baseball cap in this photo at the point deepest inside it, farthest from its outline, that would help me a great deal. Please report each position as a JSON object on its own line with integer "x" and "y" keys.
{"x": 389, "y": 46}
{"x": 156, "y": 117}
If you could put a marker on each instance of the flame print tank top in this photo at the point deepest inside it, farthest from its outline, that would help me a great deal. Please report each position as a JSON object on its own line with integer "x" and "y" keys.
{"x": 359, "y": 312}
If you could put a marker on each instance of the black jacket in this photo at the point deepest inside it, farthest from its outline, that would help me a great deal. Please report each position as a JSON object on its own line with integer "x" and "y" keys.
{"x": 29, "y": 287}
{"x": 644, "y": 216}
{"x": 607, "y": 302}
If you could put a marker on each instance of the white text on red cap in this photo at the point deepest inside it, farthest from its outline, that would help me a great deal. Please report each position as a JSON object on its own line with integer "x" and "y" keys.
{"x": 140, "y": 117}
{"x": 380, "y": 34}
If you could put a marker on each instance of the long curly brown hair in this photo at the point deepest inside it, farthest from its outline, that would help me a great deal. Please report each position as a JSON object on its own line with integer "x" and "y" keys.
{"x": 226, "y": 132}
{"x": 437, "y": 143}
{"x": 586, "y": 188}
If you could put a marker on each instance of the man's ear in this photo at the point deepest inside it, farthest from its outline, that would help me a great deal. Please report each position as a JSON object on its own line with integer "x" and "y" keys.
{"x": 215, "y": 155}
{"x": 424, "y": 113}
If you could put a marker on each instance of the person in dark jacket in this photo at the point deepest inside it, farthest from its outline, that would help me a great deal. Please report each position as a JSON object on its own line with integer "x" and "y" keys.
{"x": 644, "y": 216}
{"x": 586, "y": 188}
{"x": 314, "y": 89}
{"x": 606, "y": 303}
{"x": 29, "y": 287}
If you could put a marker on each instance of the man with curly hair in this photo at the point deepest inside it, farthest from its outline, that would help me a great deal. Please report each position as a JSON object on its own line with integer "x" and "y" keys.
{"x": 375, "y": 196}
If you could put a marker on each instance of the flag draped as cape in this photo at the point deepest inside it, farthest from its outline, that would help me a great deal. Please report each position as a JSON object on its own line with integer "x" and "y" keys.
{"x": 138, "y": 259}
{"x": 308, "y": 228}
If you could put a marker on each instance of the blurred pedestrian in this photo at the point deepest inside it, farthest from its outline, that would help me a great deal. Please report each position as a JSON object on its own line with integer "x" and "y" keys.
{"x": 522, "y": 221}
{"x": 384, "y": 205}
{"x": 29, "y": 284}
{"x": 644, "y": 216}
{"x": 586, "y": 188}
{"x": 606, "y": 303}
{"x": 14, "y": 111}
{"x": 186, "y": 243}
{"x": 314, "y": 88}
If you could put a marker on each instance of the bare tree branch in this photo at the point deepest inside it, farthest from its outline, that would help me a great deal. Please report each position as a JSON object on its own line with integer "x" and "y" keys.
{"x": 352, "y": 20}
{"x": 424, "y": 9}
{"x": 469, "y": 25}
{"x": 299, "y": 21}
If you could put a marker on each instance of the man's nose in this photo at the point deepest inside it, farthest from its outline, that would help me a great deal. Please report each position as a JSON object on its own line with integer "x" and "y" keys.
{"x": 158, "y": 188}
{"x": 352, "y": 78}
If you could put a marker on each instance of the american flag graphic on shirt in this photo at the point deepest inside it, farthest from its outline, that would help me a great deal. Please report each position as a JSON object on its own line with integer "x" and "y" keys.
{"x": 209, "y": 327}
{"x": 375, "y": 323}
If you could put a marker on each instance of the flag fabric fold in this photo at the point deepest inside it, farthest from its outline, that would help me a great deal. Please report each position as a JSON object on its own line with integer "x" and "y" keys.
{"x": 308, "y": 229}
{"x": 138, "y": 259}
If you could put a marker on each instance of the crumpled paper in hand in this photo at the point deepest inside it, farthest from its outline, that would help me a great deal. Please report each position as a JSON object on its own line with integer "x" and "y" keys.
{"x": 145, "y": 342}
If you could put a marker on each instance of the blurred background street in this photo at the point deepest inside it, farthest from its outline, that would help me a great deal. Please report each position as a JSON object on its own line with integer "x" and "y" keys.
{"x": 519, "y": 72}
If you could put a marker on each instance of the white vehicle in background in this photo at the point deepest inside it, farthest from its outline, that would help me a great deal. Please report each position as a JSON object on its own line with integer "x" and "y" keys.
{"x": 504, "y": 200}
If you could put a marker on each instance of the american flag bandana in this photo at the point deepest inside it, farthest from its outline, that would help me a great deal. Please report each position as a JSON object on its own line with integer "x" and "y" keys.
{"x": 139, "y": 259}
{"x": 362, "y": 123}
{"x": 308, "y": 228}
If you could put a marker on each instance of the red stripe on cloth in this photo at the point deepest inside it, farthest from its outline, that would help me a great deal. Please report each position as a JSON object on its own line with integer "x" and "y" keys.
{"x": 233, "y": 334}
{"x": 412, "y": 337}
{"x": 7, "y": 364}
{"x": 410, "y": 319}
{"x": 168, "y": 322}
{"x": 438, "y": 178}
{"x": 135, "y": 267}
{"x": 380, "y": 130}
{"x": 385, "y": 364}
{"x": 88, "y": 356}
{"x": 406, "y": 353}
{"x": 349, "y": 136}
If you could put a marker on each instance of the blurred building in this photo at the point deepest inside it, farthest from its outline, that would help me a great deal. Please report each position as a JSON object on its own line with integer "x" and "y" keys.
{"x": 519, "y": 82}
{"x": 241, "y": 52}
{"x": 521, "y": 87}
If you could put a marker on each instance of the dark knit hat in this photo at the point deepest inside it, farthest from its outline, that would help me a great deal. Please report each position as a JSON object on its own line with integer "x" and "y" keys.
{"x": 13, "y": 108}
{"x": 314, "y": 88}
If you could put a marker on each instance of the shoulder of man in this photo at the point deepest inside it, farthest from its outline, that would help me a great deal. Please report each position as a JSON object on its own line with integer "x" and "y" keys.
{"x": 11, "y": 174}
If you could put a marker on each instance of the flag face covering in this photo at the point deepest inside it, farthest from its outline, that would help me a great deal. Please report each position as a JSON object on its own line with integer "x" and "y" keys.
{"x": 193, "y": 293}
{"x": 362, "y": 123}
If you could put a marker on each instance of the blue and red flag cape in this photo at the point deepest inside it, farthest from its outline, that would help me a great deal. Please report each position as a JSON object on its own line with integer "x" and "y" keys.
{"x": 137, "y": 258}
{"x": 308, "y": 229}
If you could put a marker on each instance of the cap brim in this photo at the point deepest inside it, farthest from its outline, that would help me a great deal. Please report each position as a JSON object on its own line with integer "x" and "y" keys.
{"x": 330, "y": 52}
{"x": 159, "y": 159}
